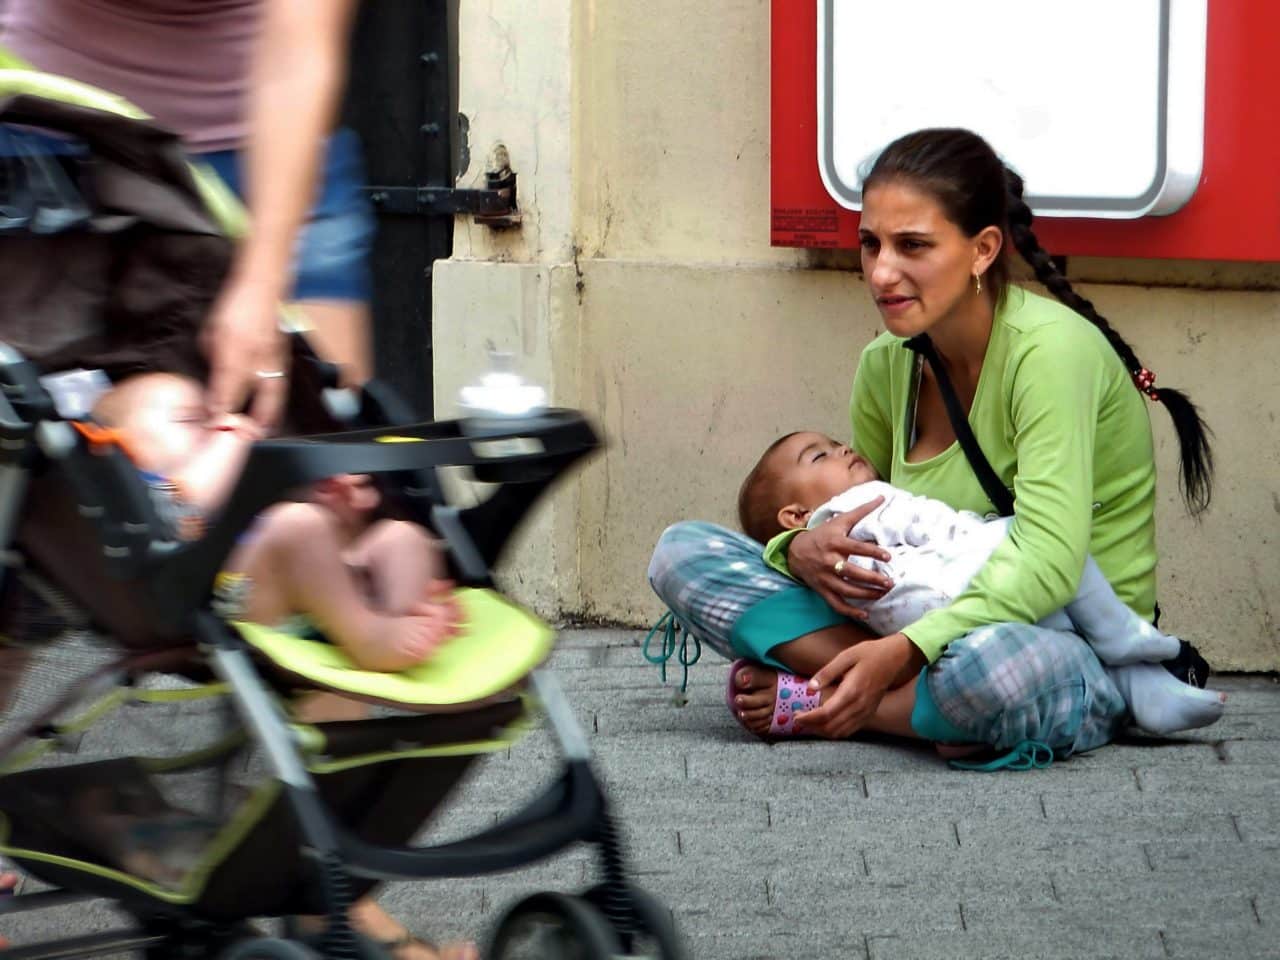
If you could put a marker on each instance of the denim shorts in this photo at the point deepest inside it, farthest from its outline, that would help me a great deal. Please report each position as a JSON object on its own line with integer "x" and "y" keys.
{"x": 331, "y": 260}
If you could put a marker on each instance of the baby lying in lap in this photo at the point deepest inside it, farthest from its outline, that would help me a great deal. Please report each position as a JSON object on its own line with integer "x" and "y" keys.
{"x": 804, "y": 479}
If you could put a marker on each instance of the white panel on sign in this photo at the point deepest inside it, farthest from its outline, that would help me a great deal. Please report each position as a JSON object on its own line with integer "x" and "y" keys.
{"x": 1099, "y": 104}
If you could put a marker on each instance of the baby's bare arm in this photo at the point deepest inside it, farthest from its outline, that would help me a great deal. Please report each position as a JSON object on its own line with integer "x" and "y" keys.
{"x": 208, "y": 477}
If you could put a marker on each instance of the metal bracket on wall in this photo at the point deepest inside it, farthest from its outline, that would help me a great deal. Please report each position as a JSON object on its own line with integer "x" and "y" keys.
{"x": 495, "y": 206}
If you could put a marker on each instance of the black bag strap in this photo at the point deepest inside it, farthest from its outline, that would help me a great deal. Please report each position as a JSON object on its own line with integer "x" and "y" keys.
{"x": 996, "y": 491}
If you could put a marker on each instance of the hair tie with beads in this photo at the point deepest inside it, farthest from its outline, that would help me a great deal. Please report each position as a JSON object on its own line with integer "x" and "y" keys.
{"x": 1146, "y": 382}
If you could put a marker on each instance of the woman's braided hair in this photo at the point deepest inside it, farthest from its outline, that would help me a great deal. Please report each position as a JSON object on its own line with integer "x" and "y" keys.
{"x": 976, "y": 190}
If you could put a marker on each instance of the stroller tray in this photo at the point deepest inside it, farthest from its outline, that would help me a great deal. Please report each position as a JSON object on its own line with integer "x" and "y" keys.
{"x": 498, "y": 645}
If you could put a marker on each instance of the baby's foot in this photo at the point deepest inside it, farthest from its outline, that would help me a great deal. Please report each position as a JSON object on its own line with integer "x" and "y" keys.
{"x": 754, "y": 699}
{"x": 1162, "y": 704}
{"x": 398, "y": 643}
{"x": 439, "y": 600}
{"x": 422, "y": 633}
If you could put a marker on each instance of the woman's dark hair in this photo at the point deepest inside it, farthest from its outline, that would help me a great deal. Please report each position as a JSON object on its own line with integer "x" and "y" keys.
{"x": 976, "y": 190}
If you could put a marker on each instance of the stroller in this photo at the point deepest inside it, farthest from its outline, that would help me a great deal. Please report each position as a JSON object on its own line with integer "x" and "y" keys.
{"x": 178, "y": 841}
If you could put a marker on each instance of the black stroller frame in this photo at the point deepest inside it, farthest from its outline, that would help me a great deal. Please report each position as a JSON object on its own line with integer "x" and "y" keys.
{"x": 522, "y": 458}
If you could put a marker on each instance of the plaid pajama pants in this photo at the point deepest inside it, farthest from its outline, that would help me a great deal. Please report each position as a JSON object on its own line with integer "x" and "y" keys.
{"x": 1001, "y": 684}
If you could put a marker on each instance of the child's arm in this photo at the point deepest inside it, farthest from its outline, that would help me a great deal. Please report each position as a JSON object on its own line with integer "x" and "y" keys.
{"x": 207, "y": 478}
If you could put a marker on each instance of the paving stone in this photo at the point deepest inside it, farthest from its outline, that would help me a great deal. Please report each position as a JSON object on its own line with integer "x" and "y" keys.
{"x": 1211, "y": 784}
{"x": 1196, "y": 944}
{"x": 1151, "y": 901}
{"x": 1253, "y": 751}
{"x": 1134, "y": 751}
{"x": 1061, "y": 779}
{"x": 957, "y": 864}
{"x": 1261, "y": 827}
{"x": 875, "y": 905}
{"x": 1071, "y": 941}
{"x": 1068, "y": 830}
{"x": 1266, "y": 908}
{"x": 768, "y": 936}
{"x": 1254, "y": 865}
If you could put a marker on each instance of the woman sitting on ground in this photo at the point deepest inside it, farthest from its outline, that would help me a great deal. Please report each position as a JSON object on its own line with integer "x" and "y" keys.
{"x": 1054, "y": 397}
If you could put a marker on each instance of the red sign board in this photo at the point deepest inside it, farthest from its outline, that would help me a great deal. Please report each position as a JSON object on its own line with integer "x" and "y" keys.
{"x": 1233, "y": 215}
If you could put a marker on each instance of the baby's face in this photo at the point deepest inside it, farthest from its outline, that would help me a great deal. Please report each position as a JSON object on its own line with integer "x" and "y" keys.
{"x": 814, "y": 468}
{"x": 167, "y": 426}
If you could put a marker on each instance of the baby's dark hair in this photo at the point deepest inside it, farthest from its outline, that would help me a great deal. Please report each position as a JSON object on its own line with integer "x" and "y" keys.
{"x": 976, "y": 190}
{"x": 759, "y": 495}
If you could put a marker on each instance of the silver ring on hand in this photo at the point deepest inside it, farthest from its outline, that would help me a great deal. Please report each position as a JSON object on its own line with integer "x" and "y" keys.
{"x": 269, "y": 374}
{"x": 838, "y": 567}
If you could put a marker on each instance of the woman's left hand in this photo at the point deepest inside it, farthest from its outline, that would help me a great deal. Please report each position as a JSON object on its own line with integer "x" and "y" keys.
{"x": 855, "y": 681}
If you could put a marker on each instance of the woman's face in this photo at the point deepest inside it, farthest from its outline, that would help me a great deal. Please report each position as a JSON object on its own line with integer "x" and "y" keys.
{"x": 919, "y": 264}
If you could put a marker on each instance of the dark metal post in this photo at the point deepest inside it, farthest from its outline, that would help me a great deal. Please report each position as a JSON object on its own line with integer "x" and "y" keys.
{"x": 398, "y": 100}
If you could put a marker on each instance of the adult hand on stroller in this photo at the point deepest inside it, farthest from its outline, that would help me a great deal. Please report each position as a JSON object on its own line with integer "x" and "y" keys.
{"x": 854, "y": 682}
{"x": 818, "y": 558}
{"x": 248, "y": 352}
{"x": 246, "y": 428}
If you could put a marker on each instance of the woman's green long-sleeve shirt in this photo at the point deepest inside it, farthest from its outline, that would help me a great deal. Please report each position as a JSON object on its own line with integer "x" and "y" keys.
{"x": 1057, "y": 415}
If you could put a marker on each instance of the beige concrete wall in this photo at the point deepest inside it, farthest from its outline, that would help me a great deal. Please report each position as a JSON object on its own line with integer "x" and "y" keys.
{"x": 642, "y": 288}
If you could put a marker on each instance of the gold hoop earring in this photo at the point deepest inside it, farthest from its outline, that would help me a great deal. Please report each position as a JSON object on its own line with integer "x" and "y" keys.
{"x": 977, "y": 284}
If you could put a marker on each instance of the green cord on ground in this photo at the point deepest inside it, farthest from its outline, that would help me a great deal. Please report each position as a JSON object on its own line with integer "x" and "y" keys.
{"x": 667, "y": 627}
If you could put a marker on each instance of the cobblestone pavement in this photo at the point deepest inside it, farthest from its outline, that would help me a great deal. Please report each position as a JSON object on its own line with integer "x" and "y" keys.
{"x": 876, "y": 849}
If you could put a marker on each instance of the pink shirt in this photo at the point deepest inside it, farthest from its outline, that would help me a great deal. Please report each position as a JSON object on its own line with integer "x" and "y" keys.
{"x": 185, "y": 62}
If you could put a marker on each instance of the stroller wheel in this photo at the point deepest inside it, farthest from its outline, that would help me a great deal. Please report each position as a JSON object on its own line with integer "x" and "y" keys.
{"x": 269, "y": 948}
{"x": 553, "y": 926}
{"x": 655, "y": 934}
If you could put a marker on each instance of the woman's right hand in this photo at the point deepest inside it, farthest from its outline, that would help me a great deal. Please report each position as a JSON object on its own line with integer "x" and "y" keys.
{"x": 813, "y": 557}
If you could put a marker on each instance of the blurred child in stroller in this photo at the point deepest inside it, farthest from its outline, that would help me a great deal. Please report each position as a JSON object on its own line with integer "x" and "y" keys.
{"x": 327, "y": 566}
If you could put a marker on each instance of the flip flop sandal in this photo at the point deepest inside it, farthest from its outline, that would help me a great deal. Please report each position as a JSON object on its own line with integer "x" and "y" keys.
{"x": 792, "y": 697}
{"x": 1189, "y": 666}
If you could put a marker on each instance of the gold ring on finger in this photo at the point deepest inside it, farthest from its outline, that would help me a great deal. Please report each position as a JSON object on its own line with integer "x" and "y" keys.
{"x": 838, "y": 567}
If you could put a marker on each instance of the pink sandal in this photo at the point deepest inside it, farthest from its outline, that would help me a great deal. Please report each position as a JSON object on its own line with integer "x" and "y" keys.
{"x": 793, "y": 696}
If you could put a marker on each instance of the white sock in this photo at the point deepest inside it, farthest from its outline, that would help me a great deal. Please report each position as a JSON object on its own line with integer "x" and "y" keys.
{"x": 1163, "y": 704}
{"x": 1117, "y": 634}
{"x": 1137, "y": 642}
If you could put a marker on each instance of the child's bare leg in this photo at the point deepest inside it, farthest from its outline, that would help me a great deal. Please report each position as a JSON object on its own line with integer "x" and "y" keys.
{"x": 403, "y": 561}
{"x": 893, "y": 716}
{"x": 320, "y": 706}
{"x": 757, "y": 684}
{"x": 294, "y": 561}
{"x": 400, "y": 557}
